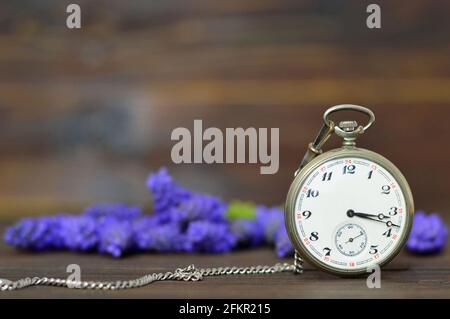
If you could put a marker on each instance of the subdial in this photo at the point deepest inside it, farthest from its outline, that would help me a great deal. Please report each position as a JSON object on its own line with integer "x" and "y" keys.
{"x": 350, "y": 239}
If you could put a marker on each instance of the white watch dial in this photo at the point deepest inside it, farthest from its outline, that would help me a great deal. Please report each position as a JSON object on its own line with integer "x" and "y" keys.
{"x": 350, "y": 213}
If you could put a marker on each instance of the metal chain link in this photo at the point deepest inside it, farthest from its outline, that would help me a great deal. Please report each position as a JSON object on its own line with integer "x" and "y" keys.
{"x": 190, "y": 273}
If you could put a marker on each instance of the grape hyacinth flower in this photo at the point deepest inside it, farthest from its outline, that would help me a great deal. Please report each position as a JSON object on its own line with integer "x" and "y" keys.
{"x": 197, "y": 207}
{"x": 79, "y": 233}
{"x": 151, "y": 236}
{"x": 115, "y": 237}
{"x": 271, "y": 219}
{"x": 428, "y": 235}
{"x": 118, "y": 211}
{"x": 247, "y": 232}
{"x": 210, "y": 237}
{"x": 283, "y": 245}
{"x": 203, "y": 207}
{"x": 165, "y": 191}
{"x": 37, "y": 234}
{"x": 242, "y": 218}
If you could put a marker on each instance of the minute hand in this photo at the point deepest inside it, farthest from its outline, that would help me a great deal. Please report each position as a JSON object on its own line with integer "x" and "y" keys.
{"x": 379, "y": 216}
{"x": 367, "y": 216}
{"x": 376, "y": 218}
{"x": 364, "y": 215}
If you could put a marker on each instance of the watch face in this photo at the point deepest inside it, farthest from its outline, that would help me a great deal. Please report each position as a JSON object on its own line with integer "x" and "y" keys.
{"x": 349, "y": 213}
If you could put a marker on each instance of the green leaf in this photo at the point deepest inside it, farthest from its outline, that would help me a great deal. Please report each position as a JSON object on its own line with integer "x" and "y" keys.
{"x": 241, "y": 210}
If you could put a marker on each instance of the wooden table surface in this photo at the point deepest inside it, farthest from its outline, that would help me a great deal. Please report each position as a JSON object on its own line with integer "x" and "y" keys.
{"x": 406, "y": 277}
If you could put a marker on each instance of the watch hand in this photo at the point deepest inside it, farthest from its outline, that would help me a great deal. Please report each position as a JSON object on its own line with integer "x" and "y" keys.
{"x": 390, "y": 224}
{"x": 352, "y": 239}
{"x": 379, "y": 216}
{"x": 351, "y": 213}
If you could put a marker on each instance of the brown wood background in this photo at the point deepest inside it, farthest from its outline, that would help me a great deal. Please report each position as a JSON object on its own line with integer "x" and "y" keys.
{"x": 86, "y": 114}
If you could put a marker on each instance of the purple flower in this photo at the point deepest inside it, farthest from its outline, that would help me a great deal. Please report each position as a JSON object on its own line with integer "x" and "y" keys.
{"x": 202, "y": 207}
{"x": 41, "y": 233}
{"x": 271, "y": 219}
{"x": 428, "y": 235}
{"x": 115, "y": 237}
{"x": 184, "y": 221}
{"x": 283, "y": 244}
{"x": 79, "y": 232}
{"x": 149, "y": 235}
{"x": 247, "y": 232}
{"x": 165, "y": 191}
{"x": 210, "y": 237}
{"x": 119, "y": 211}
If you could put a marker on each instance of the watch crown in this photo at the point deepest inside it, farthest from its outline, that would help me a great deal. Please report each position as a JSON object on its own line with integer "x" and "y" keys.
{"x": 348, "y": 126}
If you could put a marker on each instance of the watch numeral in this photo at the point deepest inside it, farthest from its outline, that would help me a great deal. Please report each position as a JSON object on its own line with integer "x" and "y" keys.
{"x": 370, "y": 175}
{"x": 306, "y": 214}
{"x": 349, "y": 169}
{"x": 314, "y": 236}
{"x": 327, "y": 251}
{"x": 393, "y": 211}
{"x": 326, "y": 176}
{"x": 386, "y": 189}
{"x": 387, "y": 233}
{"x": 373, "y": 249}
{"x": 312, "y": 193}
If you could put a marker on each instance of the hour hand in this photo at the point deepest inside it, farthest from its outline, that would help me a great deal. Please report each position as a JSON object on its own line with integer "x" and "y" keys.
{"x": 351, "y": 213}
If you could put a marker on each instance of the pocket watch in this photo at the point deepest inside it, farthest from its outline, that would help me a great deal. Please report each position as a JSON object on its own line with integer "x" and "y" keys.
{"x": 348, "y": 209}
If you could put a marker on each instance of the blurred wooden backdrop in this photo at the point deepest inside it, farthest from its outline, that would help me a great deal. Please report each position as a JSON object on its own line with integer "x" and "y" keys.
{"x": 86, "y": 114}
